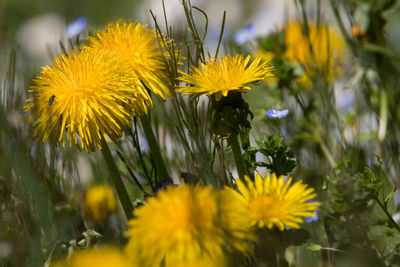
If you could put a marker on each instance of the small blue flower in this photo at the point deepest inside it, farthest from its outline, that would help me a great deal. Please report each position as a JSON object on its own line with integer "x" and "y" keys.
{"x": 76, "y": 27}
{"x": 245, "y": 34}
{"x": 277, "y": 113}
{"x": 313, "y": 218}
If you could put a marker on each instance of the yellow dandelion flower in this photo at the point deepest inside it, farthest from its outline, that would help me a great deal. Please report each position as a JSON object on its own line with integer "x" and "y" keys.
{"x": 322, "y": 49}
{"x": 189, "y": 226}
{"x": 100, "y": 257}
{"x": 219, "y": 76}
{"x": 100, "y": 202}
{"x": 84, "y": 96}
{"x": 274, "y": 202}
{"x": 140, "y": 48}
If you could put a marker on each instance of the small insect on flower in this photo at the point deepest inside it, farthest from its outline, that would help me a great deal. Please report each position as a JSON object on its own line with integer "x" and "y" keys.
{"x": 277, "y": 113}
{"x": 51, "y": 99}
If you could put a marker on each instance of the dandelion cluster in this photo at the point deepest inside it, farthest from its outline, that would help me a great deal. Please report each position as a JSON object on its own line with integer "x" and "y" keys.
{"x": 84, "y": 96}
{"x": 172, "y": 112}
{"x": 322, "y": 48}
{"x": 189, "y": 226}
{"x": 90, "y": 93}
{"x": 139, "y": 47}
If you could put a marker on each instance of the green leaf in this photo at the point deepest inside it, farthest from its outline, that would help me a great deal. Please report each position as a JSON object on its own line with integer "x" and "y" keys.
{"x": 314, "y": 247}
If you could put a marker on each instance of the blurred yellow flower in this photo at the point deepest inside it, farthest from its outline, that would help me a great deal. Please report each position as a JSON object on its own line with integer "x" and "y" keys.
{"x": 267, "y": 56}
{"x": 219, "y": 76}
{"x": 83, "y": 96}
{"x": 103, "y": 257}
{"x": 100, "y": 202}
{"x": 322, "y": 49}
{"x": 189, "y": 226}
{"x": 274, "y": 202}
{"x": 140, "y": 48}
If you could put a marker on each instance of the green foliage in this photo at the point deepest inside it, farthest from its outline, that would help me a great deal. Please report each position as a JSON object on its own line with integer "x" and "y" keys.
{"x": 279, "y": 158}
{"x": 360, "y": 207}
{"x": 272, "y": 42}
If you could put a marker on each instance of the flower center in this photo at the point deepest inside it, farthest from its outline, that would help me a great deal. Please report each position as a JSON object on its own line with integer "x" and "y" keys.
{"x": 265, "y": 207}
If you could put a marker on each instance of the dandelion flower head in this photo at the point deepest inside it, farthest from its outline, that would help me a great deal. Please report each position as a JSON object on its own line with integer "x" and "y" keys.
{"x": 219, "y": 76}
{"x": 189, "y": 226}
{"x": 323, "y": 47}
{"x": 98, "y": 257}
{"x": 140, "y": 48}
{"x": 83, "y": 96}
{"x": 100, "y": 202}
{"x": 273, "y": 202}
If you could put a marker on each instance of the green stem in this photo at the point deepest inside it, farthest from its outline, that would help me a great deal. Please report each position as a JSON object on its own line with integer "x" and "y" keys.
{"x": 154, "y": 149}
{"x": 392, "y": 221}
{"x": 237, "y": 155}
{"x": 117, "y": 181}
{"x": 383, "y": 116}
{"x": 327, "y": 154}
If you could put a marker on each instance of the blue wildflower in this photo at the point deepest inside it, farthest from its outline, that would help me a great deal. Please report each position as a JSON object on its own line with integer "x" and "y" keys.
{"x": 76, "y": 27}
{"x": 245, "y": 34}
{"x": 313, "y": 218}
{"x": 277, "y": 113}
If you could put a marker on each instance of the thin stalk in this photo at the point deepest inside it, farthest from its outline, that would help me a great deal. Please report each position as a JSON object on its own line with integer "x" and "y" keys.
{"x": 132, "y": 174}
{"x": 327, "y": 154}
{"x": 237, "y": 155}
{"x": 383, "y": 116}
{"x": 154, "y": 149}
{"x": 117, "y": 181}
{"x": 221, "y": 34}
{"x": 392, "y": 221}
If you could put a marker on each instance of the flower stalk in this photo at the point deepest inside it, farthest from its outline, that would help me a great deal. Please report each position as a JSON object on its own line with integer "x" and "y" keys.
{"x": 237, "y": 155}
{"x": 154, "y": 148}
{"x": 117, "y": 181}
